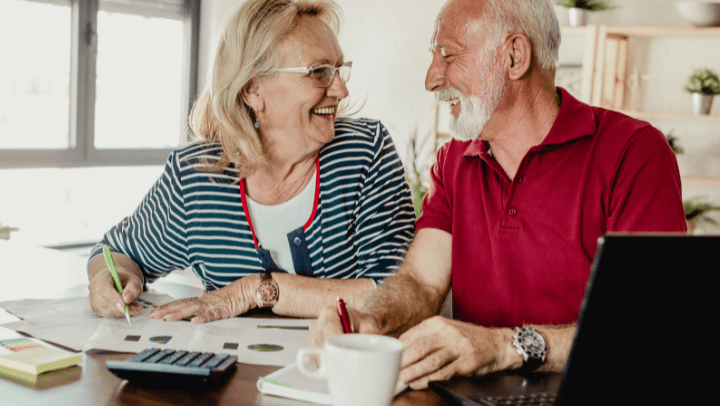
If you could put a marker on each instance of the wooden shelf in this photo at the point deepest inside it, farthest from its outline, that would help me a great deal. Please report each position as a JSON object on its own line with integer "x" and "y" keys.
{"x": 700, "y": 182}
{"x": 646, "y": 32}
{"x": 606, "y": 74}
{"x": 653, "y": 32}
{"x": 673, "y": 116}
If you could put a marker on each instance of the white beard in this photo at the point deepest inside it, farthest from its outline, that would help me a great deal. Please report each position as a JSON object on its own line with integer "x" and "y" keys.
{"x": 475, "y": 111}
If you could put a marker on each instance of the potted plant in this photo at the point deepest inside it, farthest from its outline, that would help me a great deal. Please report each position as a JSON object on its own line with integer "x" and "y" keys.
{"x": 5, "y": 231}
{"x": 696, "y": 212}
{"x": 412, "y": 175}
{"x": 696, "y": 208}
{"x": 578, "y": 9}
{"x": 703, "y": 85}
{"x": 674, "y": 145}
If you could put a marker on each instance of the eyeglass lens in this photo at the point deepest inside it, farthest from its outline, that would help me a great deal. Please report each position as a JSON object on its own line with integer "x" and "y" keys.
{"x": 323, "y": 75}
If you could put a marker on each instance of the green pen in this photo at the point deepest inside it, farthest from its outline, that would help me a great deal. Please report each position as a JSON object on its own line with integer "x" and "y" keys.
{"x": 113, "y": 272}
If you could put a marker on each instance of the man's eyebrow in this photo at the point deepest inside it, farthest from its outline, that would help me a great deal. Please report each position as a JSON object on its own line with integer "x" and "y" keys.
{"x": 434, "y": 47}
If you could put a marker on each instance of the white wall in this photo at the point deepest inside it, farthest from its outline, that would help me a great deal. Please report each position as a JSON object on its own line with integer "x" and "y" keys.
{"x": 388, "y": 42}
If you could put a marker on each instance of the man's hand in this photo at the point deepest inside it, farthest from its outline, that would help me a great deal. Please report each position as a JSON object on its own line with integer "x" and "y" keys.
{"x": 229, "y": 301}
{"x": 105, "y": 299}
{"x": 440, "y": 348}
{"x": 328, "y": 324}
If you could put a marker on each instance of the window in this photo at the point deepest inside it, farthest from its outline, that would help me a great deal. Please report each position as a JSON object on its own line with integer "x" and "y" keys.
{"x": 95, "y": 82}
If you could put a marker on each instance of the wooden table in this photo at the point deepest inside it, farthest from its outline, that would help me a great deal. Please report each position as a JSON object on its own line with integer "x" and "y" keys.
{"x": 90, "y": 383}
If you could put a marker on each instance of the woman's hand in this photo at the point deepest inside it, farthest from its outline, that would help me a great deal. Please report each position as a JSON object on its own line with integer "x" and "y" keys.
{"x": 105, "y": 299}
{"x": 229, "y": 301}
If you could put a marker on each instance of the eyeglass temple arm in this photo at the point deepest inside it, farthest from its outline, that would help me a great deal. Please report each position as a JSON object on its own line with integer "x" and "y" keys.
{"x": 294, "y": 70}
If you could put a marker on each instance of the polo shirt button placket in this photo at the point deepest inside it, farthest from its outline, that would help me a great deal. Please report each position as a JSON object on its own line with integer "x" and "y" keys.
{"x": 512, "y": 212}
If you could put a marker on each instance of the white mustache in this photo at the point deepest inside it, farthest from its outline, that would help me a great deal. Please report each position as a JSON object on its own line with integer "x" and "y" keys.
{"x": 447, "y": 93}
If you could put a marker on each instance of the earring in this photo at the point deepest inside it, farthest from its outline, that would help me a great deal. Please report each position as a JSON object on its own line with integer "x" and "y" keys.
{"x": 257, "y": 124}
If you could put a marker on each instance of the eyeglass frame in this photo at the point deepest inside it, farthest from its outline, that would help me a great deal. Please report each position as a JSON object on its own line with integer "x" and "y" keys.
{"x": 309, "y": 70}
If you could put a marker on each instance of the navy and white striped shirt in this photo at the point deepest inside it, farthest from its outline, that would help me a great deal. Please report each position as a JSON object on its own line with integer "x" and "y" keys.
{"x": 362, "y": 226}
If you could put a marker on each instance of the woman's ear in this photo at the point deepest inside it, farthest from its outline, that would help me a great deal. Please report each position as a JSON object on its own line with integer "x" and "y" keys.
{"x": 251, "y": 95}
{"x": 518, "y": 55}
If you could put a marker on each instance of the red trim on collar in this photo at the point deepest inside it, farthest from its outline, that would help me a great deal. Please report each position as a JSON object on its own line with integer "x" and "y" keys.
{"x": 247, "y": 212}
{"x": 316, "y": 198}
{"x": 317, "y": 195}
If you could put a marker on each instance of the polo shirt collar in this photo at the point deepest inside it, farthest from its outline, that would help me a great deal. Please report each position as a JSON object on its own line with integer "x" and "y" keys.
{"x": 575, "y": 120}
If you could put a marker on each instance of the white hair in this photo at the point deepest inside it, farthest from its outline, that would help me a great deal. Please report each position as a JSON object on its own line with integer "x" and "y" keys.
{"x": 534, "y": 18}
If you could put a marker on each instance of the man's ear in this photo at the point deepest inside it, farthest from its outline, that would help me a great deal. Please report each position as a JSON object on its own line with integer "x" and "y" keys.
{"x": 251, "y": 95}
{"x": 518, "y": 55}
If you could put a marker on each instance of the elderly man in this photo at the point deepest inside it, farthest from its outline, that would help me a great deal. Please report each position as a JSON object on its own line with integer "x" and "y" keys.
{"x": 517, "y": 203}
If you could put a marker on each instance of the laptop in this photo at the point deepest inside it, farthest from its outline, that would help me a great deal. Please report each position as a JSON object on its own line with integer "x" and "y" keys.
{"x": 644, "y": 335}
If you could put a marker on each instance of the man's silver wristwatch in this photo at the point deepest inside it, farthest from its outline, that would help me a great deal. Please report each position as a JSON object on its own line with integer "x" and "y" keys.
{"x": 532, "y": 346}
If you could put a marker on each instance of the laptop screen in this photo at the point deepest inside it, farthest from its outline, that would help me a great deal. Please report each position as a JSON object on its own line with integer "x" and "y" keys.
{"x": 645, "y": 330}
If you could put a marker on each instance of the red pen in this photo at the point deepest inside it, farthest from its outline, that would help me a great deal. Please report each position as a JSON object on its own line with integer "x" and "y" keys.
{"x": 344, "y": 316}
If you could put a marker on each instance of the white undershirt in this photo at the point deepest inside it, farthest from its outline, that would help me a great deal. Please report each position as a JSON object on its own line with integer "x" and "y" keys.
{"x": 273, "y": 223}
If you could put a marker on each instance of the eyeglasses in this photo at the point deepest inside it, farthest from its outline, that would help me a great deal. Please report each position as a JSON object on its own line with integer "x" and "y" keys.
{"x": 322, "y": 75}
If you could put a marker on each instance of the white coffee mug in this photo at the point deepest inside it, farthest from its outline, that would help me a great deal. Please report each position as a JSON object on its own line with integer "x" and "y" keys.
{"x": 360, "y": 369}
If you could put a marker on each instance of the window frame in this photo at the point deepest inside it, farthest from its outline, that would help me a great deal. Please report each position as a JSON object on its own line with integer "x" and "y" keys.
{"x": 81, "y": 151}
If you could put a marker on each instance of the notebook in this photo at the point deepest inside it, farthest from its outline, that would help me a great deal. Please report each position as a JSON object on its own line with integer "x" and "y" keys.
{"x": 23, "y": 357}
{"x": 289, "y": 382}
{"x": 644, "y": 334}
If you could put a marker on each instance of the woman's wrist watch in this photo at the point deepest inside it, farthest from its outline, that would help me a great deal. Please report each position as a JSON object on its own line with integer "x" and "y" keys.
{"x": 267, "y": 291}
{"x": 532, "y": 346}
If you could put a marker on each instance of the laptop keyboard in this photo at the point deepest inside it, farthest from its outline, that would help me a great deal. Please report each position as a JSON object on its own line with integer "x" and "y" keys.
{"x": 538, "y": 399}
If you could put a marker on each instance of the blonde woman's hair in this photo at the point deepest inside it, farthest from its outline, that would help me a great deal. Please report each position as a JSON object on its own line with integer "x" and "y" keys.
{"x": 247, "y": 49}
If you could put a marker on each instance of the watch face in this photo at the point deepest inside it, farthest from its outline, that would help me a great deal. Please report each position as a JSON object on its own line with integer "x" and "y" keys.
{"x": 533, "y": 342}
{"x": 267, "y": 291}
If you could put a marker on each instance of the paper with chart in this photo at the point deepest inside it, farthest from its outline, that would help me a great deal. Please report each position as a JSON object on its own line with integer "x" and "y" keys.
{"x": 67, "y": 322}
{"x": 254, "y": 340}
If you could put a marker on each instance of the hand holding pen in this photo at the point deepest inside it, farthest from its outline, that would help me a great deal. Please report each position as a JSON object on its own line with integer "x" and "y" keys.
{"x": 330, "y": 323}
{"x": 113, "y": 272}
{"x": 105, "y": 296}
{"x": 344, "y": 317}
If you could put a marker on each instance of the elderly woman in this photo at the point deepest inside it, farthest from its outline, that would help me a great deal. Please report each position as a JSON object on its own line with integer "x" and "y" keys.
{"x": 279, "y": 203}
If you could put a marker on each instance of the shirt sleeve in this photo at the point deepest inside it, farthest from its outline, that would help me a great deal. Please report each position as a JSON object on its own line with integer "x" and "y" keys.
{"x": 154, "y": 236}
{"x": 384, "y": 215}
{"x": 646, "y": 195}
{"x": 436, "y": 206}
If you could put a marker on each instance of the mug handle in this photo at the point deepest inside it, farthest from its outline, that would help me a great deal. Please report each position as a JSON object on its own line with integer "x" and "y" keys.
{"x": 300, "y": 358}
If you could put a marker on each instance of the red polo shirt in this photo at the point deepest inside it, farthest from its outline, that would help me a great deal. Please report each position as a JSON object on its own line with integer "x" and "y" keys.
{"x": 522, "y": 249}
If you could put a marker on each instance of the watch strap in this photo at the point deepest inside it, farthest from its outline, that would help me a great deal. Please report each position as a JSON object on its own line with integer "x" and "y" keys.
{"x": 530, "y": 365}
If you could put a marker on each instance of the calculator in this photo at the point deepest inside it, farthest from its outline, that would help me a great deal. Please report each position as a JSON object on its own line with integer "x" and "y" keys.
{"x": 174, "y": 367}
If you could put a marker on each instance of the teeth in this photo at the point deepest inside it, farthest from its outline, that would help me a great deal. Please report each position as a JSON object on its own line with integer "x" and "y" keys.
{"x": 325, "y": 111}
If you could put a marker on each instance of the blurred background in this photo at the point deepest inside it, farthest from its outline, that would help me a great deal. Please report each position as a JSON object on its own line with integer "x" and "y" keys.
{"x": 95, "y": 93}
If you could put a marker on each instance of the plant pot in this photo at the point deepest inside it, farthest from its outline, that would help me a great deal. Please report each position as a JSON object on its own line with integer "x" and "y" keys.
{"x": 578, "y": 17}
{"x": 691, "y": 225}
{"x": 702, "y": 103}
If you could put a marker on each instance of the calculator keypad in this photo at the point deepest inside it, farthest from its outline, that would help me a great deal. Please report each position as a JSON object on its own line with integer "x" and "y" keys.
{"x": 174, "y": 367}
